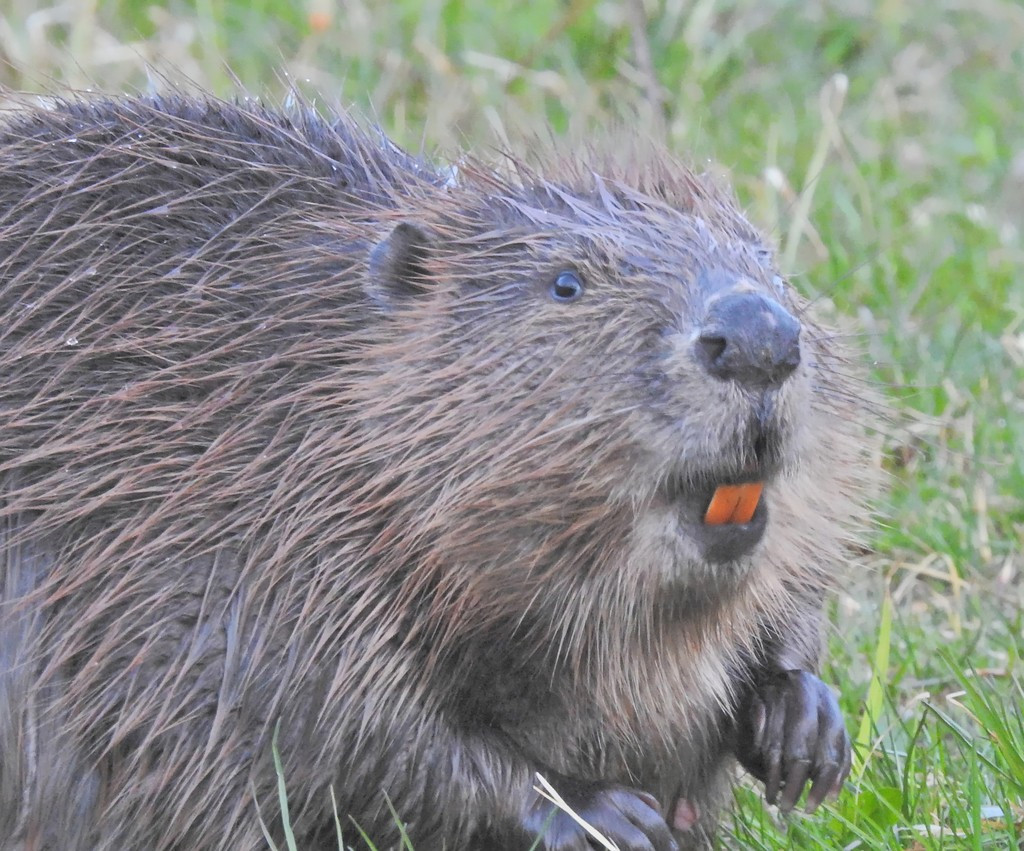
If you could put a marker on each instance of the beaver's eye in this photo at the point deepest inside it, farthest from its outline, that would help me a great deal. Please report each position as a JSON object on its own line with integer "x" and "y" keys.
{"x": 567, "y": 287}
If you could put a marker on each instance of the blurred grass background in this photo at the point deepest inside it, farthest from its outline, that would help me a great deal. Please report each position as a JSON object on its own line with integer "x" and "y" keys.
{"x": 881, "y": 144}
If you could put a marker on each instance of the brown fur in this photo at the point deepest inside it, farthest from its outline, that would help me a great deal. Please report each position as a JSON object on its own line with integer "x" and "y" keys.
{"x": 412, "y": 516}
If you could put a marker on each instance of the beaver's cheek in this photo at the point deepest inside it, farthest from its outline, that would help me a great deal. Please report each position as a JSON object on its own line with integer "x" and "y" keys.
{"x": 666, "y": 548}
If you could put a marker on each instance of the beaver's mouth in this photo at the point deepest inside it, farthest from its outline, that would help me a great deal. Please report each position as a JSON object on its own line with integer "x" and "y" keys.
{"x": 725, "y": 516}
{"x": 724, "y": 509}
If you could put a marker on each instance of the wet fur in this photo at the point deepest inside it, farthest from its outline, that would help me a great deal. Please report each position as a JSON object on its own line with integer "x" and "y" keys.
{"x": 409, "y": 517}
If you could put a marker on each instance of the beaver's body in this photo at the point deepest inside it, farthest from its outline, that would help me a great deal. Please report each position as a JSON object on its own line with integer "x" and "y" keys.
{"x": 297, "y": 432}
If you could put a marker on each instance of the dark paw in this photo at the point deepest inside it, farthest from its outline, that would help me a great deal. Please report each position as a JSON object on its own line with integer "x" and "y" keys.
{"x": 792, "y": 733}
{"x": 630, "y": 819}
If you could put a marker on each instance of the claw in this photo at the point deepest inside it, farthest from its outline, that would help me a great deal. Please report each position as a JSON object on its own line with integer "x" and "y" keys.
{"x": 795, "y": 782}
{"x": 760, "y": 721}
{"x": 824, "y": 784}
{"x": 771, "y": 790}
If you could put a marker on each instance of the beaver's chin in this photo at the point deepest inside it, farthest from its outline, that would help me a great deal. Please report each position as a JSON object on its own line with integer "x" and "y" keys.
{"x": 720, "y": 540}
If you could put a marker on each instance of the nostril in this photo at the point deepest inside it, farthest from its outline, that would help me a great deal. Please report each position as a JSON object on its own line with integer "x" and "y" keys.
{"x": 787, "y": 357}
{"x": 750, "y": 339}
{"x": 712, "y": 346}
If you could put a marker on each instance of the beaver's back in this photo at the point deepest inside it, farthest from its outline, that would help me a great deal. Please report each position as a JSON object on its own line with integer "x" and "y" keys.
{"x": 180, "y": 317}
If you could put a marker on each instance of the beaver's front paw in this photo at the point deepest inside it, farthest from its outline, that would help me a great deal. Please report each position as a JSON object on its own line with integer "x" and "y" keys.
{"x": 792, "y": 732}
{"x": 630, "y": 819}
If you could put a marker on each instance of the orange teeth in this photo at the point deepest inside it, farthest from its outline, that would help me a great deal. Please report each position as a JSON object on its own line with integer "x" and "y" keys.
{"x": 733, "y": 503}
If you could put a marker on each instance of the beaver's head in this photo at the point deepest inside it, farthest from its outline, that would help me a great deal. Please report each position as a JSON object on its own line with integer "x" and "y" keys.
{"x": 601, "y": 368}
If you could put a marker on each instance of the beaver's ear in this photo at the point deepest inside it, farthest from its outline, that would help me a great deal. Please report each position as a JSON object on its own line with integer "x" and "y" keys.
{"x": 397, "y": 269}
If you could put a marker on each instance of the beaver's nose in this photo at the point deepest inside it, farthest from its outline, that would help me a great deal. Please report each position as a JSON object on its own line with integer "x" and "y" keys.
{"x": 749, "y": 339}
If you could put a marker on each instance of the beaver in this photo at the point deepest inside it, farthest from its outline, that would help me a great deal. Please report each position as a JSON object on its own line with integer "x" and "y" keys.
{"x": 432, "y": 483}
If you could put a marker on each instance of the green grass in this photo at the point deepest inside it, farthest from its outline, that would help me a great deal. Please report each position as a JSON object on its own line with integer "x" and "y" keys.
{"x": 882, "y": 145}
